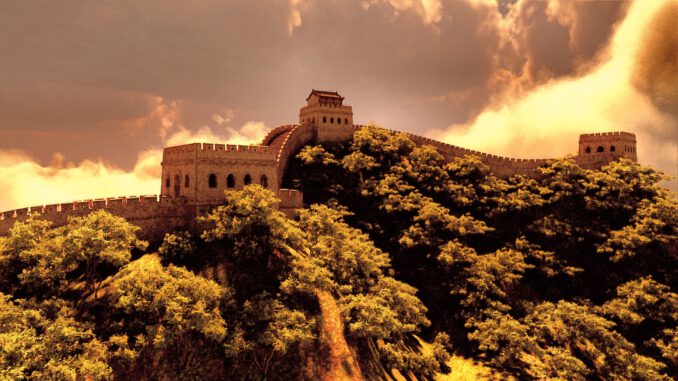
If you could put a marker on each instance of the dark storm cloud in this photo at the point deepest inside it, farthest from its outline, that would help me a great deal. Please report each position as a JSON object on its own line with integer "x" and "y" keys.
{"x": 107, "y": 79}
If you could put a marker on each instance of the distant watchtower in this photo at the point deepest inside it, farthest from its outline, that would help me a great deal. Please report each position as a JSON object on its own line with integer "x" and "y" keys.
{"x": 607, "y": 146}
{"x": 325, "y": 109}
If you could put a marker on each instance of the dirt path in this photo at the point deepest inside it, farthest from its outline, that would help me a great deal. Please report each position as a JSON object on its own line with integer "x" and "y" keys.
{"x": 342, "y": 365}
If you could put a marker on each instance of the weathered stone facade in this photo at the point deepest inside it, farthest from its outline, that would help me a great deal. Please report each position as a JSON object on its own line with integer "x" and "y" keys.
{"x": 195, "y": 176}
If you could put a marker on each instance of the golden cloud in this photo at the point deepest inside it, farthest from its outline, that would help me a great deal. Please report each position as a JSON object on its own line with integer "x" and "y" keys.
{"x": 28, "y": 183}
{"x": 631, "y": 88}
{"x": 430, "y": 11}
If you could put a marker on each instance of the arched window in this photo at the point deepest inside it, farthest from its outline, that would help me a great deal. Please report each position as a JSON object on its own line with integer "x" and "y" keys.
{"x": 187, "y": 181}
{"x": 331, "y": 120}
{"x": 345, "y": 120}
{"x": 212, "y": 180}
{"x": 177, "y": 185}
{"x": 588, "y": 150}
{"x": 613, "y": 148}
{"x": 324, "y": 119}
{"x": 248, "y": 180}
{"x": 600, "y": 149}
{"x": 230, "y": 181}
{"x": 167, "y": 182}
{"x": 263, "y": 181}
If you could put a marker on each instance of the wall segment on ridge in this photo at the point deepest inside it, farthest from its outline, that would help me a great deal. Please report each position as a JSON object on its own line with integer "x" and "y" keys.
{"x": 154, "y": 215}
{"x": 186, "y": 170}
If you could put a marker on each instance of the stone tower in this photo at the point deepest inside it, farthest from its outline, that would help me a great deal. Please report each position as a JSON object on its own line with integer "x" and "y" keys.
{"x": 200, "y": 172}
{"x": 333, "y": 120}
{"x": 607, "y": 146}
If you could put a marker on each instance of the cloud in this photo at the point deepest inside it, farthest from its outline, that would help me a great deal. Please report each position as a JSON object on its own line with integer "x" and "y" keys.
{"x": 25, "y": 182}
{"x": 430, "y": 11}
{"x": 249, "y": 133}
{"x": 545, "y": 121}
{"x": 294, "y": 18}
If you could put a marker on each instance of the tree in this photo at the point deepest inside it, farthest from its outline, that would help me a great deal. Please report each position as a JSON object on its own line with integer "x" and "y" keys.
{"x": 177, "y": 247}
{"x": 251, "y": 233}
{"x": 485, "y": 252}
{"x": 274, "y": 332}
{"x": 251, "y": 221}
{"x": 43, "y": 341}
{"x": 375, "y": 306}
{"x": 97, "y": 241}
{"x": 591, "y": 338}
{"x": 32, "y": 262}
{"x": 168, "y": 313}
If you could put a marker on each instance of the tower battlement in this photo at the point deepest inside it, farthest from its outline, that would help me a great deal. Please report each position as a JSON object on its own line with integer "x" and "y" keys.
{"x": 608, "y": 146}
{"x": 326, "y": 110}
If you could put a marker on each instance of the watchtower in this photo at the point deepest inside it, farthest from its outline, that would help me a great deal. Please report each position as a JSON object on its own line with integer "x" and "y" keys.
{"x": 607, "y": 146}
{"x": 200, "y": 172}
{"x": 333, "y": 120}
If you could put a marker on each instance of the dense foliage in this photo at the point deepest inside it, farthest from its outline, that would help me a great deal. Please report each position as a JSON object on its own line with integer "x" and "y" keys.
{"x": 569, "y": 274}
{"x": 566, "y": 275}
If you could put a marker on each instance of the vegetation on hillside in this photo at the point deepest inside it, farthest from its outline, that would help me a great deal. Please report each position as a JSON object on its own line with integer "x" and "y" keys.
{"x": 568, "y": 276}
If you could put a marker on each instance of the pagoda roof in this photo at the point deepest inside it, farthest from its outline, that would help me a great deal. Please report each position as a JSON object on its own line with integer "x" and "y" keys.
{"x": 325, "y": 94}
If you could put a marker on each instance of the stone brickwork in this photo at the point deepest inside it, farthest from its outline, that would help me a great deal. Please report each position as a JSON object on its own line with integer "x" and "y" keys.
{"x": 332, "y": 119}
{"x": 195, "y": 176}
{"x": 200, "y": 172}
{"x": 155, "y": 215}
{"x": 605, "y": 146}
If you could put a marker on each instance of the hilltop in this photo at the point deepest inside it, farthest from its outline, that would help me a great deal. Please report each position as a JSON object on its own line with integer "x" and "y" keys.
{"x": 400, "y": 262}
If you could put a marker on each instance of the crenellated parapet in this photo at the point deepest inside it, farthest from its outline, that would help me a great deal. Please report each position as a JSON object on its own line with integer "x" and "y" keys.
{"x": 292, "y": 142}
{"x": 499, "y": 165}
{"x": 291, "y": 200}
{"x": 154, "y": 214}
{"x": 272, "y": 138}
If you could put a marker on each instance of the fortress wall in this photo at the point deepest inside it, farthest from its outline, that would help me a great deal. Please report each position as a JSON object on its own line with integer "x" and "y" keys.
{"x": 624, "y": 144}
{"x": 200, "y": 160}
{"x": 601, "y": 134}
{"x": 595, "y": 160}
{"x": 189, "y": 152}
{"x": 274, "y": 133}
{"x": 293, "y": 141}
{"x": 236, "y": 152}
{"x": 155, "y": 216}
{"x": 239, "y": 169}
{"x": 499, "y": 165}
{"x": 179, "y": 160}
{"x": 290, "y": 201}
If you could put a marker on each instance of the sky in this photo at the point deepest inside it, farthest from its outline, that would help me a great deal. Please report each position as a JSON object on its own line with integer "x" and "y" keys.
{"x": 90, "y": 91}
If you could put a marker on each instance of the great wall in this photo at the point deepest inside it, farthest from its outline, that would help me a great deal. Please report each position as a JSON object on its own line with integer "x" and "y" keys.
{"x": 195, "y": 176}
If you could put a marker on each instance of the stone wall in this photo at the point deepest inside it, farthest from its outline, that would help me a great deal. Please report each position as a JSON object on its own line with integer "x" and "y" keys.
{"x": 186, "y": 170}
{"x": 154, "y": 215}
{"x": 293, "y": 141}
{"x": 616, "y": 144}
{"x": 332, "y": 121}
{"x": 499, "y": 165}
{"x": 291, "y": 200}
